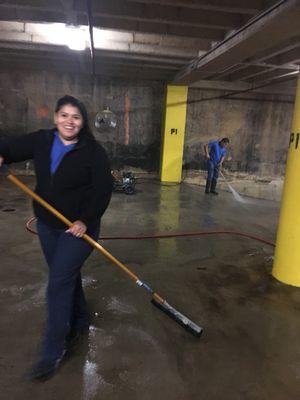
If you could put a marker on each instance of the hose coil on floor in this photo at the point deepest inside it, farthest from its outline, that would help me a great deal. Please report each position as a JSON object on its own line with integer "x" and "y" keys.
{"x": 171, "y": 235}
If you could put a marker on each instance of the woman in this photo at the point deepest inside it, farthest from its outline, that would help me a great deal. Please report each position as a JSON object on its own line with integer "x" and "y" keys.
{"x": 73, "y": 175}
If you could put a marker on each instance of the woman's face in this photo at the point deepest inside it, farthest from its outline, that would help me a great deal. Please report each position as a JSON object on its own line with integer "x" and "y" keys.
{"x": 68, "y": 121}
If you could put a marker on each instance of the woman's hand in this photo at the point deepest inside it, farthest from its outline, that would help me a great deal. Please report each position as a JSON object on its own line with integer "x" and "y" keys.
{"x": 1, "y": 161}
{"x": 78, "y": 229}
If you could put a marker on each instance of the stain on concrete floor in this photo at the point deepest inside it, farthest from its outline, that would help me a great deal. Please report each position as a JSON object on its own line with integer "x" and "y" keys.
{"x": 250, "y": 346}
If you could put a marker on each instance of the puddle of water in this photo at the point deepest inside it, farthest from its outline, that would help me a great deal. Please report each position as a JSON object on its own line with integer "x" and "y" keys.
{"x": 116, "y": 306}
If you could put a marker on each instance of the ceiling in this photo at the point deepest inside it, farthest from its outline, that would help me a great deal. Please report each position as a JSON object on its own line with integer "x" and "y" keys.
{"x": 236, "y": 45}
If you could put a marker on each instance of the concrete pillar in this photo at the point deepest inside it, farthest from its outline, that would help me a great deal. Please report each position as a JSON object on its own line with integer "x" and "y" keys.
{"x": 286, "y": 266}
{"x": 173, "y": 133}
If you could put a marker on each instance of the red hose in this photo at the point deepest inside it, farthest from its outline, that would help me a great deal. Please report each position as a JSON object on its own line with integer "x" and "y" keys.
{"x": 170, "y": 235}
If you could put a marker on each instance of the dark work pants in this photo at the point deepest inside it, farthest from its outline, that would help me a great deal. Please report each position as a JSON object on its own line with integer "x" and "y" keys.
{"x": 66, "y": 305}
{"x": 212, "y": 175}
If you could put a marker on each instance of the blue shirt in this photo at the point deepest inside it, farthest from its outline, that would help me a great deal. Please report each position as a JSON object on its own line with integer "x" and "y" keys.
{"x": 216, "y": 152}
{"x": 58, "y": 151}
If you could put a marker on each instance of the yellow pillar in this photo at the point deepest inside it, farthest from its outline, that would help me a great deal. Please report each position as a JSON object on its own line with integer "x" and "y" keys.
{"x": 286, "y": 266}
{"x": 173, "y": 133}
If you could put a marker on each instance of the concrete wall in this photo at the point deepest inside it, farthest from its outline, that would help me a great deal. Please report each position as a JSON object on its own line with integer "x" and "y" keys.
{"x": 258, "y": 130}
{"x": 27, "y": 101}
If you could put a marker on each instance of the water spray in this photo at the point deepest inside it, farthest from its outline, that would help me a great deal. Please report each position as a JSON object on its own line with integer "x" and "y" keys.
{"x": 236, "y": 195}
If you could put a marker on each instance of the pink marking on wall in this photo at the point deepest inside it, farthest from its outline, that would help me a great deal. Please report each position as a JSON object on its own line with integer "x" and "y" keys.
{"x": 43, "y": 111}
{"x": 126, "y": 119}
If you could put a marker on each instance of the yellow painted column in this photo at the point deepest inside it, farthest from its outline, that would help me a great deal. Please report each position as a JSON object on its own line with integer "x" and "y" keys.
{"x": 286, "y": 266}
{"x": 173, "y": 133}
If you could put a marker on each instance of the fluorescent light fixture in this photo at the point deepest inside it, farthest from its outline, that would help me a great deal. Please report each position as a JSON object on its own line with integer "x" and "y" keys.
{"x": 75, "y": 38}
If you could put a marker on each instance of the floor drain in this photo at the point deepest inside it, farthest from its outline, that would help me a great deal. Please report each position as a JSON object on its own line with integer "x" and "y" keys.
{"x": 8, "y": 209}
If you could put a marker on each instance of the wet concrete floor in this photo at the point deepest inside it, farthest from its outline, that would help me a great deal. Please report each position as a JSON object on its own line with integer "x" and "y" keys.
{"x": 250, "y": 346}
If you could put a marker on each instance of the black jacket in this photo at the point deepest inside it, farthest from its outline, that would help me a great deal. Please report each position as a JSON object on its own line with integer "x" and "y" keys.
{"x": 81, "y": 186}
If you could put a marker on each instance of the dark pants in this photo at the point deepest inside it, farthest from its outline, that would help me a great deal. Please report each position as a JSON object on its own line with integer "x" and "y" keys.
{"x": 212, "y": 176}
{"x": 65, "y": 255}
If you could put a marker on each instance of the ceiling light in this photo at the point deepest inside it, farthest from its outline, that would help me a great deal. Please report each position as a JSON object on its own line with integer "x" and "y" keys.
{"x": 76, "y": 38}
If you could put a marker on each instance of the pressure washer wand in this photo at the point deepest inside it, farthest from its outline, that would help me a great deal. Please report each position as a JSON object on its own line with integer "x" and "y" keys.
{"x": 221, "y": 173}
{"x": 157, "y": 300}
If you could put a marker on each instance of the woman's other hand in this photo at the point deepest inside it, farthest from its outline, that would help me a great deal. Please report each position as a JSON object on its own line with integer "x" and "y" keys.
{"x": 78, "y": 229}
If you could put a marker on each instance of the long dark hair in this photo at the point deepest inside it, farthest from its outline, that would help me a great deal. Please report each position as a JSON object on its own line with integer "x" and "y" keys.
{"x": 85, "y": 130}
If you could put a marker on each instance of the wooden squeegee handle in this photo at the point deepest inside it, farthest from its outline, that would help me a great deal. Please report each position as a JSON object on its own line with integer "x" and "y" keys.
{"x": 86, "y": 237}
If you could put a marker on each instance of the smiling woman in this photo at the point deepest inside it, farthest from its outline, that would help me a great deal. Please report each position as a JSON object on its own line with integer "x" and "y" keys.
{"x": 73, "y": 175}
{"x": 69, "y": 122}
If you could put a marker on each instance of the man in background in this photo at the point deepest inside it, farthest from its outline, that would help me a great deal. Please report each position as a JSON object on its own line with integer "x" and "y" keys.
{"x": 215, "y": 153}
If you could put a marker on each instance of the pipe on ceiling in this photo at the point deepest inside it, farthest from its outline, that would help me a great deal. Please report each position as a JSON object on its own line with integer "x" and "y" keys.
{"x": 90, "y": 22}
